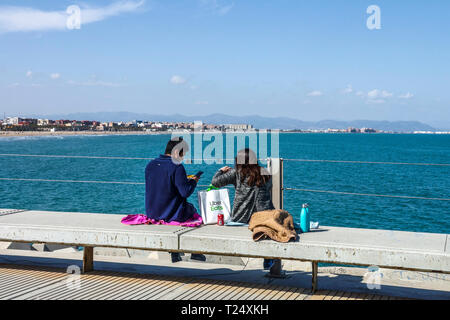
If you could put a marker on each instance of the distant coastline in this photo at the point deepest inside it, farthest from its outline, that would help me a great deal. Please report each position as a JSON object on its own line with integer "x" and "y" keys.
{"x": 8, "y": 134}
{"x": 76, "y": 133}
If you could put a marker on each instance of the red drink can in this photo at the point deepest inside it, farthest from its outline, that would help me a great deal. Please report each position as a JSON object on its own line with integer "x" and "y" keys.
{"x": 220, "y": 220}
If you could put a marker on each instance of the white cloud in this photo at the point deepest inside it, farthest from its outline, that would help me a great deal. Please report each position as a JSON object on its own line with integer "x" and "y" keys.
{"x": 29, "y": 74}
{"x": 386, "y": 94}
{"x": 55, "y": 76}
{"x": 360, "y": 93}
{"x": 315, "y": 93}
{"x": 202, "y": 102}
{"x": 375, "y": 94}
{"x": 218, "y": 7}
{"x": 406, "y": 96}
{"x": 25, "y": 19}
{"x": 177, "y": 80}
{"x": 349, "y": 89}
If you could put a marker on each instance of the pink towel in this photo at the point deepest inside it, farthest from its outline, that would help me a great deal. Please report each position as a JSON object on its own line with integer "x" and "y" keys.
{"x": 136, "y": 219}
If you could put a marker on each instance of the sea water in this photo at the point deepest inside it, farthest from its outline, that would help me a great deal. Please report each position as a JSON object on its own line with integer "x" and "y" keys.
{"x": 329, "y": 209}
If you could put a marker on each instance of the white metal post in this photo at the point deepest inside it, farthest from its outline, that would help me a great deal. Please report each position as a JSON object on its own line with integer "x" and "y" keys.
{"x": 275, "y": 167}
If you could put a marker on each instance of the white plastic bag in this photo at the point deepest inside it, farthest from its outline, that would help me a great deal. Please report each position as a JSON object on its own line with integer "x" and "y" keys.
{"x": 213, "y": 203}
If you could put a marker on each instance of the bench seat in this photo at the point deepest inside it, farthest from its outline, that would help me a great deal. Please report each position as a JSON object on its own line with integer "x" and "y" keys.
{"x": 366, "y": 247}
{"x": 382, "y": 248}
{"x": 86, "y": 229}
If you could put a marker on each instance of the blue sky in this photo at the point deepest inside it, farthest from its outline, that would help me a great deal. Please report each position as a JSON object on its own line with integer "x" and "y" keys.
{"x": 311, "y": 60}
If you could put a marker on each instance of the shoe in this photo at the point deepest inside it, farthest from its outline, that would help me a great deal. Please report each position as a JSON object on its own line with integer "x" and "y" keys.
{"x": 198, "y": 257}
{"x": 176, "y": 257}
{"x": 268, "y": 264}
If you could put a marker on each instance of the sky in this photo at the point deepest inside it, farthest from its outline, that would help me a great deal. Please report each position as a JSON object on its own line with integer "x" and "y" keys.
{"x": 309, "y": 60}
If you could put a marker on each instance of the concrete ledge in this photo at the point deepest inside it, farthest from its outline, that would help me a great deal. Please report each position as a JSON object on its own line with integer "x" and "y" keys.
{"x": 85, "y": 229}
{"x": 390, "y": 249}
{"x": 395, "y": 249}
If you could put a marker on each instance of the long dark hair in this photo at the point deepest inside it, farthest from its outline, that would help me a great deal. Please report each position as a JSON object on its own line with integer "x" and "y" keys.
{"x": 248, "y": 168}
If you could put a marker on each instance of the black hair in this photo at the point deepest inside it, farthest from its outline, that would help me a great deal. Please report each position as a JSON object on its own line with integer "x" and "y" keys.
{"x": 177, "y": 145}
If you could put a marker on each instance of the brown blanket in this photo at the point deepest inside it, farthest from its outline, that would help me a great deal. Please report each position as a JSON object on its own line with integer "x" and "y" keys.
{"x": 277, "y": 225}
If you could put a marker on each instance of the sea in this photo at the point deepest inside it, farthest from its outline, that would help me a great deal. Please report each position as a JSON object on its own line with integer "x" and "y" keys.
{"x": 393, "y": 177}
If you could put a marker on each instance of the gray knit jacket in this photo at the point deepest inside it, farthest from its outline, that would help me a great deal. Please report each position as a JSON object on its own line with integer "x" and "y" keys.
{"x": 247, "y": 200}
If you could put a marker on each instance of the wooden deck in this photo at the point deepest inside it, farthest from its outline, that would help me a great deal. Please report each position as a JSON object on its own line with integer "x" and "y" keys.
{"x": 39, "y": 283}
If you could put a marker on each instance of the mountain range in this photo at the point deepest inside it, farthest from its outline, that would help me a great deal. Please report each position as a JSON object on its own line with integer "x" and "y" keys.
{"x": 258, "y": 122}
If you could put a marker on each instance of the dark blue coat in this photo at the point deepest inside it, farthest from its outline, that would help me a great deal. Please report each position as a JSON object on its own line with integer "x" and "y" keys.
{"x": 166, "y": 191}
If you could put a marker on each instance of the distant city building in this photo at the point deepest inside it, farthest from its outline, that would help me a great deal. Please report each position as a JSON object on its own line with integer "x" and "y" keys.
{"x": 368, "y": 130}
{"x": 43, "y": 122}
{"x": 198, "y": 125}
{"x": 354, "y": 130}
{"x": 12, "y": 121}
{"x": 238, "y": 127}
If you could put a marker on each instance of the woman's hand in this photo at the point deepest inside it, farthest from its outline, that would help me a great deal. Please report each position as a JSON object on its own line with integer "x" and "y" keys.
{"x": 225, "y": 169}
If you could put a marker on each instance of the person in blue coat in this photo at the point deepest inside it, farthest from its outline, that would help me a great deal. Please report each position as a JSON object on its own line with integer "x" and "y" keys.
{"x": 167, "y": 188}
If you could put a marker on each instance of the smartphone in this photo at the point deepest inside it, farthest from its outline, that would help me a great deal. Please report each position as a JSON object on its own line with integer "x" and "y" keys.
{"x": 199, "y": 174}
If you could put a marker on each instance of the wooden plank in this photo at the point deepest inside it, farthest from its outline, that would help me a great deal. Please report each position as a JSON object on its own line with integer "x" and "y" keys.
{"x": 287, "y": 293}
{"x": 64, "y": 291}
{"x": 296, "y": 294}
{"x": 121, "y": 285}
{"x": 160, "y": 288}
{"x": 232, "y": 288}
{"x": 219, "y": 291}
{"x": 226, "y": 291}
{"x": 211, "y": 289}
{"x": 331, "y": 295}
{"x": 169, "y": 289}
{"x": 193, "y": 293}
{"x": 105, "y": 292}
{"x": 16, "y": 282}
{"x": 276, "y": 292}
{"x": 239, "y": 290}
{"x": 338, "y": 295}
{"x": 251, "y": 292}
{"x": 190, "y": 286}
{"x": 17, "y": 279}
{"x": 345, "y": 296}
{"x": 17, "y": 289}
{"x": 244, "y": 288}
{"x": 320, "y": 295}
{"x": 281, "y": 293}
{"x": 248, "y": 291}
{"x": 361, "y": 296}
{"x": 128, "y": 291}
{"x": 270, "y": 291}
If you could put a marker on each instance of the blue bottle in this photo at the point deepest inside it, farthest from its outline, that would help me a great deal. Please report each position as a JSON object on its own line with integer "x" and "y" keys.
{"x": 305, "y": 220}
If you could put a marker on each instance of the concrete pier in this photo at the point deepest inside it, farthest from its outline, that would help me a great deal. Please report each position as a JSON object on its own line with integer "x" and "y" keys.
{"x": 52, "y": 239}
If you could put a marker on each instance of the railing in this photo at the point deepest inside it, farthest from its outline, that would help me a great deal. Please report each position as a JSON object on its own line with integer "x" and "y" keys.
{"x": 275, "y": 166}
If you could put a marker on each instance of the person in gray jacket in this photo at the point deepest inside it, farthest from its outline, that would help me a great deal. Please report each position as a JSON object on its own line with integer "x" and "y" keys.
{"x": 253, "y": 185}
